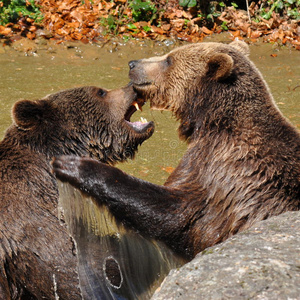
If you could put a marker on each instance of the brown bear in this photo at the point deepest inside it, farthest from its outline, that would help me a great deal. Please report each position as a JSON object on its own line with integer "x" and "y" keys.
{"x": 38, "y": 256}
{"x": 242, "y": 164}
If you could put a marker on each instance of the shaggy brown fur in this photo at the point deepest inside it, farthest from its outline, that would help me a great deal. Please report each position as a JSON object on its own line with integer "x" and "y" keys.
{"x": 37, "y": 255}
{"x": 243, "y": 159}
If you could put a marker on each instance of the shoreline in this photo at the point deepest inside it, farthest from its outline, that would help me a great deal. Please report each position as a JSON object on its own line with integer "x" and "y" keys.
{"x": 100, "y": 22}
{"x": 50, "y": 46}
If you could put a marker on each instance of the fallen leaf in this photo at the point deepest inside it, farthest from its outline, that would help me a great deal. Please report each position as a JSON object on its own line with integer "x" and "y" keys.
{"x": 206, "y": 30}
{"x": 169, "y": 170}
{"x": 157, "y": 30}
{"x": 30, "y": 35}
{"x": 5, "y": 30}
{"x": 255, "y": 34}
{"x": 165, "y": 27}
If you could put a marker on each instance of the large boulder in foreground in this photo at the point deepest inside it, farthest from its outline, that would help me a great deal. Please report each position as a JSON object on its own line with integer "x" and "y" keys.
{"x": 260, "y": 263}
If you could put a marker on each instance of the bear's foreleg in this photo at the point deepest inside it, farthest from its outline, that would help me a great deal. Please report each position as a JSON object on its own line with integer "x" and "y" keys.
{"x": 153, "y": 210}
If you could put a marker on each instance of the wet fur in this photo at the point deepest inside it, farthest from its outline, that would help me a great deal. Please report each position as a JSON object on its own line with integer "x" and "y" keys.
{"x": 243, "y": 159}
{"x": 37, "y": 255}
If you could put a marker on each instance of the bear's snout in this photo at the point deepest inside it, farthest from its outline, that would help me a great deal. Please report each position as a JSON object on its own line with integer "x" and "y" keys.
{"x": 137, "y": 74}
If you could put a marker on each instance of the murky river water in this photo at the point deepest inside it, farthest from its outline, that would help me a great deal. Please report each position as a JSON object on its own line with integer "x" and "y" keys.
{"x": 32, "y": 71}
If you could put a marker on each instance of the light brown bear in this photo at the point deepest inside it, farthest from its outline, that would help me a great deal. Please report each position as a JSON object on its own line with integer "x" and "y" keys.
{"x": 38, "y": 258}
{"x": 243, "y": 159}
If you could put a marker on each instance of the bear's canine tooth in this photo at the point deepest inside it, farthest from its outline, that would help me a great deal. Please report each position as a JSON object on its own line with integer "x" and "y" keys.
{"x": 136, "y": 106}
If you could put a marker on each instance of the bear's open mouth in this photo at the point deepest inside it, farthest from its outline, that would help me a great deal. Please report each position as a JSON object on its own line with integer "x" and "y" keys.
{"x": 142, "y": 125}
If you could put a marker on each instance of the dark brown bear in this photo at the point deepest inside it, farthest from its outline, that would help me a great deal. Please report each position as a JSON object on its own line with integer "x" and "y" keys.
{"x": 243, "y": 159}
{"x": 38, "y": 256}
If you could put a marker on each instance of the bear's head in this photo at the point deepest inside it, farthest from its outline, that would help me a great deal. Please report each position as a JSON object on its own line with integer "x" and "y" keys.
{"x": 85, "y": 121}
{"x": 198, "y": 78}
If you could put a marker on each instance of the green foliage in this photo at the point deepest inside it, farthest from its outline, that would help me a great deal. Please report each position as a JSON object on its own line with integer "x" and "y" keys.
{"x": 12, "y": 10}
{"x": 234, "y": 5}
{"x": 224, "y": 26}
{"x": 147, "y": 28}
{"x": 126, "y": 38}
{"x": 289, "y": 7}
{"x": 110, "y": 23}
{"x": 213, "y": 11}
{"x": 143, "y": 10}
{"x": 188, "y": 3}
{"x": 131, "y": 26}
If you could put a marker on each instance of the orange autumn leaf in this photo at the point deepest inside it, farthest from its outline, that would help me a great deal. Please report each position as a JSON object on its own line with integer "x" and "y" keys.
{"x": 169, "y": 170}
{"x": 77, "y": 16}
{"x": 206, "y": 30}
{"x": 157, "y": 30}
{"x": 76, "y": 36}
{"x": 73, "y": 24}
{"x": 5, "y": 30}
{"x": 235, "y": 34}
{"x": 255, "y": 34}
{"x": 30, "y": 35}
{"x": 63, "y": 17}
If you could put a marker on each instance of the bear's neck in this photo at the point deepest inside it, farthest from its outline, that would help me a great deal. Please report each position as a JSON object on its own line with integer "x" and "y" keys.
{"x": 231, "y": 183}
{"x": 226, "y": 108}
{"x": 221, "y": 153}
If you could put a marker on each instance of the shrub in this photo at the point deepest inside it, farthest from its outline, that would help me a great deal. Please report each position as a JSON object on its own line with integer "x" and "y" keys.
{"x": 143, "y": 10}
{"x": 12, "y": 10}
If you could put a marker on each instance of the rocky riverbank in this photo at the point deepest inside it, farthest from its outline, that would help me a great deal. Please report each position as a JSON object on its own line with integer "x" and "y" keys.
{"x": 260, "y": 263}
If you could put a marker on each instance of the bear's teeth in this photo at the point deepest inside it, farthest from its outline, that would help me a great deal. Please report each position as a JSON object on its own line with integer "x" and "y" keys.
{"x": 136, "y": 106}
{"x": 143, "y": 120}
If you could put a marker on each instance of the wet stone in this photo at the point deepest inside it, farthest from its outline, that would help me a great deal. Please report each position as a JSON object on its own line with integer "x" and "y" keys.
{"x": 41, "y": 42}
{"x": 43, "y": 33}
{"x": 260, "y": 263}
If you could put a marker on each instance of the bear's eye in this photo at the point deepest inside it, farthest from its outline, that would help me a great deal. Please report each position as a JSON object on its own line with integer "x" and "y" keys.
{"x": 101, "y": 93}
{"x": 169, "y": 61}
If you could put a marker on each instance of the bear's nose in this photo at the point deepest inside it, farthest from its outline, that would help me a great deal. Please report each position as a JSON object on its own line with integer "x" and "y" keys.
{"x": 132, "y": 64}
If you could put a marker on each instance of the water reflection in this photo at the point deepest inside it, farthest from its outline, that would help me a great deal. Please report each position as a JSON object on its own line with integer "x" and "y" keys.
{"x": 114, "y": 262}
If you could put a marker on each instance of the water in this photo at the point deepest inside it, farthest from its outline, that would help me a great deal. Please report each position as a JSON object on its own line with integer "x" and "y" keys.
{"x": 114, "y": 262}
{"x": 31, "y": 72}
{"x": 36, "y": 73}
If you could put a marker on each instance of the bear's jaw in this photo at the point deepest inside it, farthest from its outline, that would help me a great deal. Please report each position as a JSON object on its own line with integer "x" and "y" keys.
{"x": 145, "y": 91}
{"x": 159, "y": 98}
{"x": 145, "y": 85}
{"x": 142, "y": 129}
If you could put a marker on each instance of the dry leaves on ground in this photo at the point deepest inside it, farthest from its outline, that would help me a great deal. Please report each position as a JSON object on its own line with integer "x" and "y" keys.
{"x": 96, "y": 20}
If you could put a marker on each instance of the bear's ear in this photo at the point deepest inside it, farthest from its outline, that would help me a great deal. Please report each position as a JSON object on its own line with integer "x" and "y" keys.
{"x": 241, "y": 46}
{"x": 26, "y": 114}
{"x": 220, "y": 66}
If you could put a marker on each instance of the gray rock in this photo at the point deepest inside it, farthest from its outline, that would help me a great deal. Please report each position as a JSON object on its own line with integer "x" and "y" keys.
{"x": 260, "y": 263}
